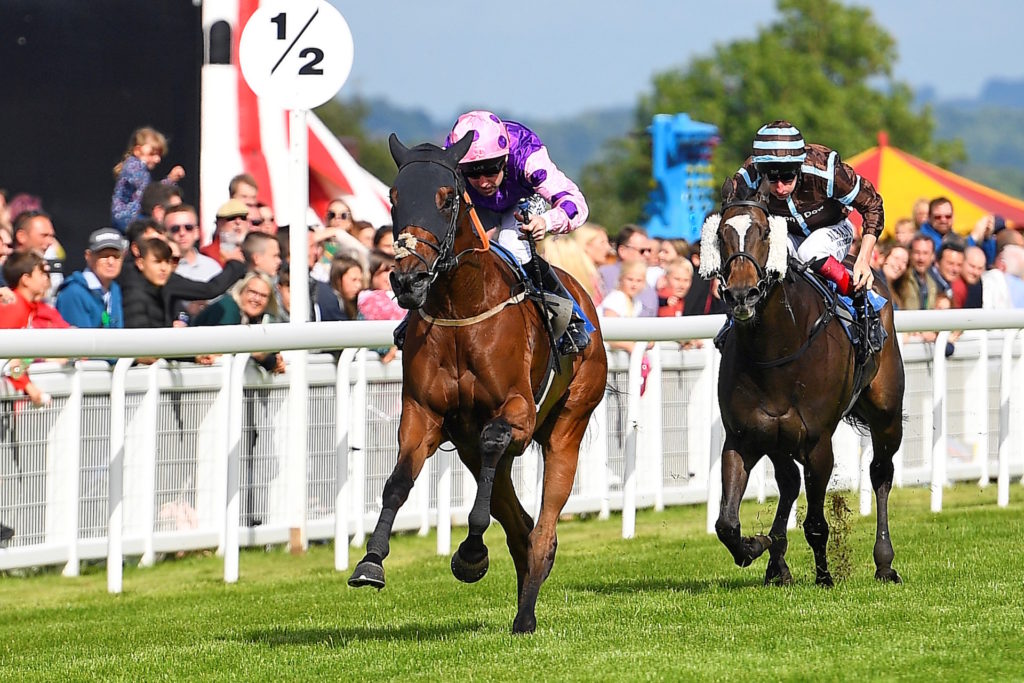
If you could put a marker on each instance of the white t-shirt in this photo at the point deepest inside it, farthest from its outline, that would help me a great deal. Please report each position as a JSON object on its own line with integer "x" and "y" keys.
{"x": 618, "y": 303}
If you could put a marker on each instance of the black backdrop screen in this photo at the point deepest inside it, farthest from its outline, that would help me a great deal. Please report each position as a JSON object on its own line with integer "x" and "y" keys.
{"x": 77, "y": 79}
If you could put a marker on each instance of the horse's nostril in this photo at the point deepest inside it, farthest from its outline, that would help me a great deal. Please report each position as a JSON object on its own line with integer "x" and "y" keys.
{"x": 753, "y": 294}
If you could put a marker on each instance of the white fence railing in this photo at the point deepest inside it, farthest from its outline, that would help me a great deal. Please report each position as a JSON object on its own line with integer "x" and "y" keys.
{"x": 175, "y": 457}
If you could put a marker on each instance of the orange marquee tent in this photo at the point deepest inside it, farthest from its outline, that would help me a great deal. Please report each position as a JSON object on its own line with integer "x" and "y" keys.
{"x": 902, "y": 179}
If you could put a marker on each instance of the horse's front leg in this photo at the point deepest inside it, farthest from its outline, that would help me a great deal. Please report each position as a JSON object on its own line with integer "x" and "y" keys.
{"x": 419, "y": 434}
{"x": 736, "y": 469}
{"x": 509, "y": 432}
{"x": 787, "y": 476}
{"x": 816, "y": 476}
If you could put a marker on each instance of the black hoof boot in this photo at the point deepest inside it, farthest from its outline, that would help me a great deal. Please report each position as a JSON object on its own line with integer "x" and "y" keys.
{"x": 369, "y": 572}
{"x": 469, "y": 572}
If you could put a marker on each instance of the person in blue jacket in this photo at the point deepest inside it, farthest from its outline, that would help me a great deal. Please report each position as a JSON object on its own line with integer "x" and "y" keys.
{"x": 91, "y": 298}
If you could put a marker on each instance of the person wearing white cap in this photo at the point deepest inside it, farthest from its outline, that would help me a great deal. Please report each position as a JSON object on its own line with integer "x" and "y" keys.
{"x": 91, "y": 298}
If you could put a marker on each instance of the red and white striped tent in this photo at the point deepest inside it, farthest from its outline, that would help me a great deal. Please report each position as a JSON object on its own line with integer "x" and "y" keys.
{"x": 242, "y": 133}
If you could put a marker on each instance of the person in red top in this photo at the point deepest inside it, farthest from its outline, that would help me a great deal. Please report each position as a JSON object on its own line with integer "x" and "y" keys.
{"x": 29, "y": 275}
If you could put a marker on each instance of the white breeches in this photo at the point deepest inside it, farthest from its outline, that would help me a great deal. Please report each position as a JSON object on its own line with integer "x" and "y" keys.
{"x": 508, "y": 237}
{"x": 834, "y": 241}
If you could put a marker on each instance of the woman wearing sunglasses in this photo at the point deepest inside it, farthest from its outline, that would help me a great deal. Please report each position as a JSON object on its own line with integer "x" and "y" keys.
{"x": 507, "y": 164}
{"x": 811, "y": 187}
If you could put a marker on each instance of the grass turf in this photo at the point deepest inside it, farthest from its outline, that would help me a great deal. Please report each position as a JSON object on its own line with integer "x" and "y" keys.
{"x": 666, "y": 605}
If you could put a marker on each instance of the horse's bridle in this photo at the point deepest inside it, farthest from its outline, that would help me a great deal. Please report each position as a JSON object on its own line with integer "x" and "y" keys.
{"x": 765, "y": 280}
{"x": 445, "y": 260}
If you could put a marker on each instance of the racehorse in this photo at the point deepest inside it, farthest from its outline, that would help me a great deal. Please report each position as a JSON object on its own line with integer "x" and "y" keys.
{"x": 475, "y": 364}
{"x": 787, "y": 378}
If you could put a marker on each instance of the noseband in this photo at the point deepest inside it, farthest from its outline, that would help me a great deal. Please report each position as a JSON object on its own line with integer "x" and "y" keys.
{"x": 765, "y": 279}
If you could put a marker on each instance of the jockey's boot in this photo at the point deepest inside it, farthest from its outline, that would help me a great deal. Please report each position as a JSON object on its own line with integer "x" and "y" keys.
{"x": 575, "y": 338}
{"x": 6, "y": 534}
{"x": 400, "y": 332}
{"x": 873, "y": 335}
{"x": 834, "y": 271}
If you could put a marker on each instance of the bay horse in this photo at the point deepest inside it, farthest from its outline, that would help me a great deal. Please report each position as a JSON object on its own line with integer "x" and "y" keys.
{"x": 475, "y": 361}
{"x": 788, "y": 376}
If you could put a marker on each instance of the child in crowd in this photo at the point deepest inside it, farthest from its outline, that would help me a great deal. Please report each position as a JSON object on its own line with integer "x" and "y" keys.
{"x": 624, "y": 301}
{"x": 146, "y": 148}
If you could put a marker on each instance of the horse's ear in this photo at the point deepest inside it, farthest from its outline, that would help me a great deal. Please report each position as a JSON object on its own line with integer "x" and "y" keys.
{"x": 459, "y": 149}
{"x": 762, "y": 192}
{"x": 399, "y": 152}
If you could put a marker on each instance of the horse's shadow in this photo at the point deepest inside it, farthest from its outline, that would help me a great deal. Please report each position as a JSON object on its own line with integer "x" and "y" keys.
{"x": 665, "y": 584}
{"x": 344, "y": 636}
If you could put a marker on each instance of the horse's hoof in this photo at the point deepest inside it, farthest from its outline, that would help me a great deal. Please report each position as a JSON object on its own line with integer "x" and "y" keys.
{"x": 469, "y": 572}
{"x": 778, "y": 578}
{"x": 888, "y": 575}
{"x": 825, "y": 581}
{"x": 367, "y": 574}
{"x": 524, "y": 624}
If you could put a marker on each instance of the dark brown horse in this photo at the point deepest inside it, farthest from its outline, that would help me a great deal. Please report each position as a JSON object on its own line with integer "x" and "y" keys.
{"x": 788, "y": 376}
{"x": 475, "y": 357}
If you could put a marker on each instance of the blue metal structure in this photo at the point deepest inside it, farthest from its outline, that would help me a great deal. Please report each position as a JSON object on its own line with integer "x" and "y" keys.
{"x": 684, "y": 189}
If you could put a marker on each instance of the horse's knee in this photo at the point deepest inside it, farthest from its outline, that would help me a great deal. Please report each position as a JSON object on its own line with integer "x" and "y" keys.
{"x": 495, "y": 437}
{"x": 728, "y": 532}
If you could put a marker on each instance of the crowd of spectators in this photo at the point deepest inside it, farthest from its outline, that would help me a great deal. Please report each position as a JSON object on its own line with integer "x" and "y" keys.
{"x": 152, "y": 267}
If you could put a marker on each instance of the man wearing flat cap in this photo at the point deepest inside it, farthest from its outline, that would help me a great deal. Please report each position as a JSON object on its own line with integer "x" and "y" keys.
{"x": 91, "y": 298}
{"x": 232, "y": 227}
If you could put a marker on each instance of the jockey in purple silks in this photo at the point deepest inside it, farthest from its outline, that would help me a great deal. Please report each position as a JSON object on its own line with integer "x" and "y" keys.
{"x": 506, "y": 165}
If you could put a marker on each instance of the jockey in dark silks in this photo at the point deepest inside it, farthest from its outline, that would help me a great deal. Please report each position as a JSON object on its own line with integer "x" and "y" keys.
{"x": 811, "y": 187}
{"x": 506, "y": 165}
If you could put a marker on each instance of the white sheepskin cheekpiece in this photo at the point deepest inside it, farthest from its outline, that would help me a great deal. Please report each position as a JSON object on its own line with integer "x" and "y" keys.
{"x": 710, "y": 256}
{"x": 778, "y": 245}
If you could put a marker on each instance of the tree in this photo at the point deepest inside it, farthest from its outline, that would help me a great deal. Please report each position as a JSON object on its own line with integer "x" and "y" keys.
{"x": 824, "y": 66}
{"x": 345, "y": 120}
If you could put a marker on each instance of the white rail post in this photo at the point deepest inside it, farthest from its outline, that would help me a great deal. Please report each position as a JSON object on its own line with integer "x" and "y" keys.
{"x": 359, "y": 456}
{"x": 600, "y": 458}
{"x": 715, "y": 442}
{"x": 867, "y": 454}
{"x": 652, "y": 431}
{"x": 147, "y": 417}
{"x": 444, "y": 501}
{"x": 632, "y": 425}
{"x": 976, "y": 408}
{"x": 1005, "y": 391}
{"x": 71, "y": 450}
{"x": 115, "y": 478}
{"x": 236, "y": 409}
{"x": 939, "y": 426}
{"x": 1017, "y": 398}
{"x": 342, "y": 480}
{"x": 218, "y": 422}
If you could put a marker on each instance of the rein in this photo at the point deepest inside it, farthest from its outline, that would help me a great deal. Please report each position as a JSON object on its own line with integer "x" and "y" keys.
{"x": 817, "y": 328}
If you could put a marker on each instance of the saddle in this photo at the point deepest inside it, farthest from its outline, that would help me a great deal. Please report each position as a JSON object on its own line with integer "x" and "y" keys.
{"x": 858, "y": 314}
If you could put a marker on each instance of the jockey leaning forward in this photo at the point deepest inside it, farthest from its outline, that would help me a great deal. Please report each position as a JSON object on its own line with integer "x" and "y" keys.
{"x": 505, "y": 165}
{"x": 811, "y": 187}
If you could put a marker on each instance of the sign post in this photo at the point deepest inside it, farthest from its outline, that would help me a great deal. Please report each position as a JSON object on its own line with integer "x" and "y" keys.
{"x": 297, "y": 54}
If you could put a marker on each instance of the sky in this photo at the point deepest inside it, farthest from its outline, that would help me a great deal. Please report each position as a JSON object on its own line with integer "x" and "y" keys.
{"x": 556, "y": 58}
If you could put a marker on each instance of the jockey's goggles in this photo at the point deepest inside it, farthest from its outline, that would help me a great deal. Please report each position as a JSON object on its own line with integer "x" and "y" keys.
{"x": 785, "y": 174}
{"x": 491, "y": 167}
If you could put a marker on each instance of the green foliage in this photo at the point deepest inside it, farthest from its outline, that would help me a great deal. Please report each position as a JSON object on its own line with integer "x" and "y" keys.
{"x": 668, "y": 604}
{"x": 823, "y": 65}
{"x": 345, "y": 120}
